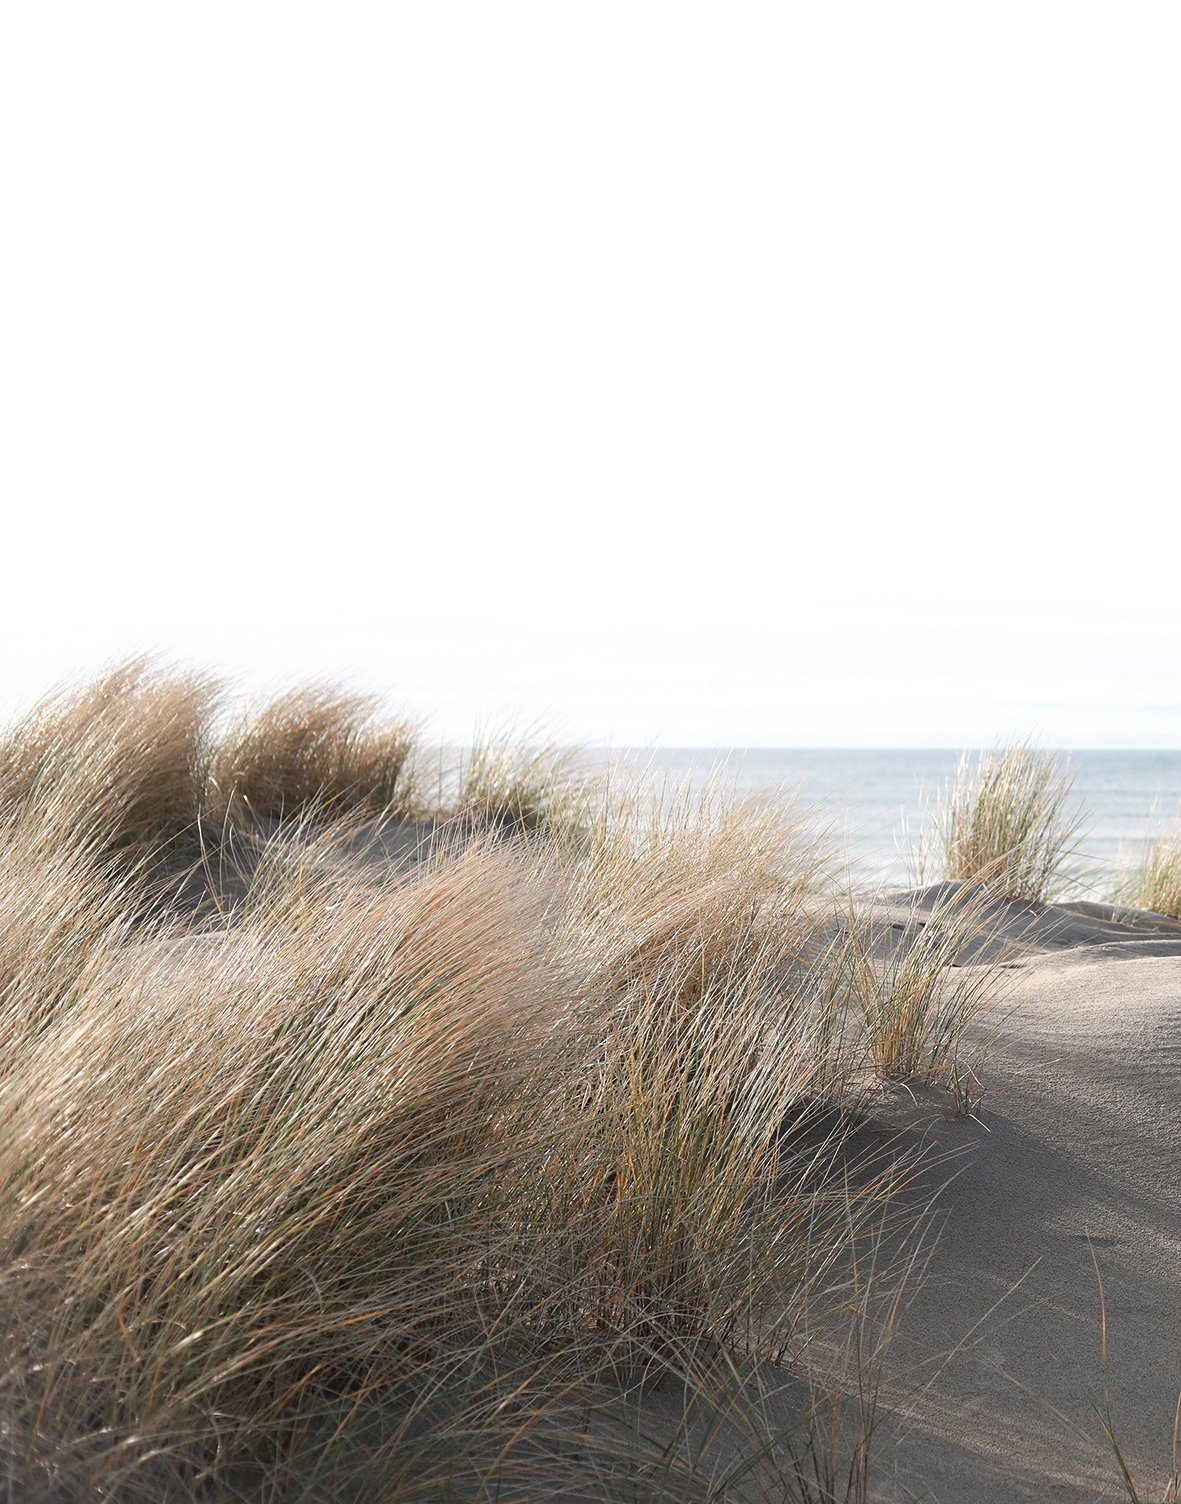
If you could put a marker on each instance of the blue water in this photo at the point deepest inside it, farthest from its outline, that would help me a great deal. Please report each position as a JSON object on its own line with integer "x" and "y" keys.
{"x": 873, "y": 801}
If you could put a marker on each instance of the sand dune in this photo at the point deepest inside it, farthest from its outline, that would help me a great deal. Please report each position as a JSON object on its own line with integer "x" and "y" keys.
{"x": 1071, "y": 1172}
{"x": 1075, "y": 1161}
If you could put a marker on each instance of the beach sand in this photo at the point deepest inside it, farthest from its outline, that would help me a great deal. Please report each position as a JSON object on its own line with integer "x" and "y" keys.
{"x": 1072, "y": 1167}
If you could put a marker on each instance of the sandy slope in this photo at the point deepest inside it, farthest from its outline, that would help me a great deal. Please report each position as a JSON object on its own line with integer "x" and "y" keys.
{"x": 1077, "y": 1158}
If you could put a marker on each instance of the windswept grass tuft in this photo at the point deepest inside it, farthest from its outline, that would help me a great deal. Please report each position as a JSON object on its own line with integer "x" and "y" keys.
{"x": 288, "y": 1132}
{"x": 1154, "y": 880}
{"x": 62, "y": 907}
{"x": 704, "y": 1176}
{"x": 406, "y": 1161}
{"x": 514, "y": 783}
{"x": 915, "y": 998}
{"x": 1008, "y": 823}
{"x": 699, "y": 890}
{"x": 117, "y": 765}
{"x": 707, "y": 1197}
{"x": 313, "y": 746}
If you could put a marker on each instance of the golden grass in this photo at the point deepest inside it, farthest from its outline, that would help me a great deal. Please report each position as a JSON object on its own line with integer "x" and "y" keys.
{"x": 917, "y": 1001}
{"x": 62, "y": 907}
{"x": 286, "y": 1132}
{"x": 1009, "y": 824}
{"x": 315, "y": 745}
{"x": 1153, "y": 881}
{"x": 511, "y": 781}
{"x": 698, "y": 890}
{"x": 360, "y": 1128}
{"x": 705, "y": 1178}
{"x": 402, "y": 1162}
{"x": 118, "y": 764}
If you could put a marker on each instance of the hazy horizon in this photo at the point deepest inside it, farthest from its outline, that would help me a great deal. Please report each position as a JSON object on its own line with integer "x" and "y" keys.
{"x": 737, "y": 749}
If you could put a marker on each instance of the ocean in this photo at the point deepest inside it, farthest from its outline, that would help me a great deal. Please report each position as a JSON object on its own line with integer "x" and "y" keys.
{"x": 873, "y": 801}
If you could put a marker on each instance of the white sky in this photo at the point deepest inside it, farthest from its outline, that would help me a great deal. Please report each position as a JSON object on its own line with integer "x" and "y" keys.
{"x": 731, "y": 374}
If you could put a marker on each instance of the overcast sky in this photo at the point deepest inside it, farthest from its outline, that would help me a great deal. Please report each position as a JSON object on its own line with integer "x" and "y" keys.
{"x": 718, "y": 374}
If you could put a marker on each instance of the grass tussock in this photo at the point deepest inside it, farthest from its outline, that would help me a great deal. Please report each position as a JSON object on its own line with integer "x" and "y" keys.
{"x": 287, "y": 1132}
{"x": 413, "y": 1171}
{"x": 917, "y": 1002}
{"x": 1153, "y": 881}
{"x": 62, "y": 906}
{"x": 1008, "y": 823}
{"x": 511, "y": 782}
{"x": 698, "y": 891}
{"x": 117, "y": 765}
{"x": 706, "y": 1175}
{"x": 315, "y": 745}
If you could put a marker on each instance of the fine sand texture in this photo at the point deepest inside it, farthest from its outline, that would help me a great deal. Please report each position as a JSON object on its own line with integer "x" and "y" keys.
{"x": 1071, "y": 1171}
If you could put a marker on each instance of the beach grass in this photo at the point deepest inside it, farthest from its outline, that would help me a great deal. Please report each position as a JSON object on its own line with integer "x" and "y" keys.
{"x": 316, "y": 745}
{"x": 118, "y": 764}
{"x": 918, "y": 1003}
{"x": 1008, "y": 823}
{"x": 411, "y": 1170}
{"x": 1153, "y": 880}
{"x": 514, "y": 780}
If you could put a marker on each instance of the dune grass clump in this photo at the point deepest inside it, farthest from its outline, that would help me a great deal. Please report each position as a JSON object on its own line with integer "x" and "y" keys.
{"x": 62, "y": 906}
{"x": 706, "y": 1174}
{"x": 367, "y": 1135}
{"x": 242, "y": 1166}
{"x": 917, "y": 1002}
{"x": 708, "y": 1198}
{"x": 400, "y": 1168}
{"x": 696, "y": 890}
{"x": 1008, "y": 823}
{"x": 313, "y": 746}
{"x": 507, "y": 782}
{"x": 117, "y": 765}
{"x": 1154, "y": 880}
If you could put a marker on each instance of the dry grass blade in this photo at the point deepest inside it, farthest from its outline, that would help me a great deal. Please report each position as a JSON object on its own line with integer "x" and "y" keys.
{"x": 1103, "y": 1409}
